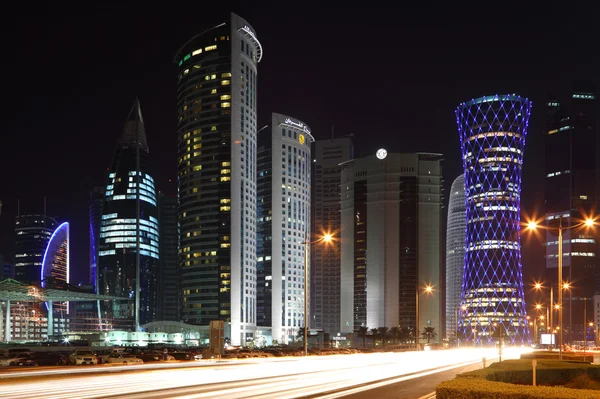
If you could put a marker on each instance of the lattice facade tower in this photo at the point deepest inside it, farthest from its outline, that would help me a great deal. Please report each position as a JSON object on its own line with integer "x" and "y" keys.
{"x": 492, "y": 133}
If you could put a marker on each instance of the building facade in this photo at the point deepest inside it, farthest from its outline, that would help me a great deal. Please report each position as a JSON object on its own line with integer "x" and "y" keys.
{"x": 571, "y": 196}
{"x": 391, "y": 214}
{"x": 128, "y": 252}
{"x": 95, "y": 213}
{"x": 325, "y": 278}
{"x": 455, "y": 254}
{"x": 32, "y": 233}
{"x": 492, "y": 134}
{"x": 55, "y": 271}
{"x": 284, "y": 174}
{"x": 216, "y": 150}
{"x": 168, "y": 282}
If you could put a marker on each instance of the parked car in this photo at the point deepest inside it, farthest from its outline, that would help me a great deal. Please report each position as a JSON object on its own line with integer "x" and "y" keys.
{"x": 42, "y": 359}
{"x": 180, "y": 355}
{"x": 12, "y": 360}
{"x": 123, "y": 358}
{"x": 83, "y": 356}
{"x": 158, "y": 355}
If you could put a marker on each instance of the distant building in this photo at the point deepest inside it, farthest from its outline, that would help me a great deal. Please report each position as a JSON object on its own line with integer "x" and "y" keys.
{"x": 391, "y": 213}
{"x": 56, "y": 266}
{"x": 216, "y": 150}
{"x": 455, "y": 253}
{"x": 168, "y": 281}
{"x": 571, "y": 195}
{"x": 325, "y": 269}
{"x": 95, "y": 207}
{"x": 492, "y": 133}
{"x": 283, "y": 213}
{"x": 128, "y": 253}
{"x": 32, "y": 233}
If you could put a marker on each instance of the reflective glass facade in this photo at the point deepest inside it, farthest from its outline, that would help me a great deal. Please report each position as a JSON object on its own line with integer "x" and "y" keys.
{"x": 455, "y": 253}
{"x": 216, "y": 149}
{"x": 32, "y": 233}
{"x": 55, "y": 265}
{"x": 120, "y": 232}
{"x": 492, "y": 134}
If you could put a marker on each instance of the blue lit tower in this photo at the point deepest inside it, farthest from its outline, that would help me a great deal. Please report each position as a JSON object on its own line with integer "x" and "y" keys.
{"x": 128, "y": 243}
{"x": 492, "y": 133}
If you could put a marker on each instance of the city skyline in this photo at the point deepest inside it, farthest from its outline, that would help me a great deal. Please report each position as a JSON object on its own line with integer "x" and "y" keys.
{"x": 343, "y": 118}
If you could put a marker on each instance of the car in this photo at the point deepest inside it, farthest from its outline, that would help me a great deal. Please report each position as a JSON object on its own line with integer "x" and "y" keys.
{"x": 123, "y": 358}
{"x": 180, "y": 355}
{"x": 42, "y": 359}
{"x": 158, "y": 355}
{"x": 12, "y": 360}
{"x": 83, "y": 356}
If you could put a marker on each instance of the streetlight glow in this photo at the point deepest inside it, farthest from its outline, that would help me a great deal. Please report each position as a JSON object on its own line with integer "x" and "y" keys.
{"x": 538, "y": 306}
{"x": 538, "y": 286}
{"x": 428, "y": 289}
{"x": 532, "y": 225}
{"x": 589, "y": 222}
{"x": 566, "y": 286}
{"x": 327, "y": 238}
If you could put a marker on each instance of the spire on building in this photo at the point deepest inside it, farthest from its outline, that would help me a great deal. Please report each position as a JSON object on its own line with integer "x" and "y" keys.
{"x": 134, "y": 128}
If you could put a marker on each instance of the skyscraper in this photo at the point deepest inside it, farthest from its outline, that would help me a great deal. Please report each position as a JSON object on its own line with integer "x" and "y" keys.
{"x": 492, "y": 132}
{"x": 95, "y": 207}
{"x": 455, "y": 253}
{"x": 284, "y": 166}
{"x": 216, "y": 108}
{"x": 128, "y": 245}
{"x": 168, "y": 282}
{"x": 32, "y": 233}
{"x": 570, "y": 196}
{"x": 325, "y": 259}
{"x": 391, "y": 213}
{"x": 56, "y": 268}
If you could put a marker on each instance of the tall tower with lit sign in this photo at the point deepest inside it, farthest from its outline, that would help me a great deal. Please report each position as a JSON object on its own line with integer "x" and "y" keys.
{"x": 216, "y": 150}
{"x": 492, "y": 132}
{"x": 284, "y": 215}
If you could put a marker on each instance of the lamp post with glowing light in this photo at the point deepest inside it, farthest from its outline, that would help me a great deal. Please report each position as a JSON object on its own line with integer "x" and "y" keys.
{"x": 327, "y": 238}
{"x": 428, "y": 290}
{"x": 533, "y": 226}
{"x": 463, "y": 308}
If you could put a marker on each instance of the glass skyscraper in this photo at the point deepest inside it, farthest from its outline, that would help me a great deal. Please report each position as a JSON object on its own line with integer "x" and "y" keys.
{"x": 32, "y": 233}
{"x": 128, "y": 251}
{"x": 216, "y": 150}
{"x": 455, "y": 253}
{"x": 492, "y": 132}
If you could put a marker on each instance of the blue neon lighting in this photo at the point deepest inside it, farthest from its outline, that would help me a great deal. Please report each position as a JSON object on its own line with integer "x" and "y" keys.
{"x": 50, "y": 243}
{"x": 492, "y": 132}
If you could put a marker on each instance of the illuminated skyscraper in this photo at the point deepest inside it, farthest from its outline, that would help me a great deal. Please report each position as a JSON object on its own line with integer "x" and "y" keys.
{"x": 168, "y": 284}
{"x": 492, "y": 134}
{"x": 216, "y": 150}
{"x": 455, "y": 253}
{"x": 32, "y": 235}
{"x": 391, "y": 213}
{"x": 325, "y": 283}
{"x": 284, "y": 165}
{"x": 128, "y": 245}
{"x": 56, "y": 264}
{"x": 571, "y": 196}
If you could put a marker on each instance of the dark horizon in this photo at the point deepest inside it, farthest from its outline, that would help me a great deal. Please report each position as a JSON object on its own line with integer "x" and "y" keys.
{"x": 392, "y": 80}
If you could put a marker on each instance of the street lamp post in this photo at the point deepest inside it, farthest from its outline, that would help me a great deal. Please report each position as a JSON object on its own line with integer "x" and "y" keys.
{"x": 428, "y": 290}
{"x": 326, "y": 239}
{"x": 532, "y": 226}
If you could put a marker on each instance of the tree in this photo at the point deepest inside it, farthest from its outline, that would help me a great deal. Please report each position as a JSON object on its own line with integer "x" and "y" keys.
{"x": 300, "y": 334}
{"x": 394, "y": 333}
{"x": 382, "y": 332}
{"x": 404, "y": 335}
{"x": 362, "y": 332}
{"x": 428, "y": 333}
{"x": 374, "y": 335}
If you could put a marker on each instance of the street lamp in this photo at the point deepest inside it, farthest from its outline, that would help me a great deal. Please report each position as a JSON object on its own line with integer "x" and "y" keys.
{"x": 532, "y": 225}
{"x": 463, "y": 308}
{"x": 428, "y": 290}
{"x": 326, "y": 238}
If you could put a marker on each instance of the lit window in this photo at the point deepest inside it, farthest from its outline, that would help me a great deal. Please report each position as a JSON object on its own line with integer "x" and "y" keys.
{"x": 209, "y": 48}
{"x": 226, "y": 208}
{"x": 225, "y": 171}
{"x": 186, "y": 71}
{"x": 225, "y": 105}
{"x": 225, "y": 245}
{"x": 225, "y": 178}
{"x": 213, "y": 91}
{"x": 196, "y": 52}
{"x": 197, "y": 146}
{"x": 213, "y": 128}
{"x": 197, "y": 168}
{"x": 225, "y": 201}
{"x": 225, "y": 97}
{"x": 226, "y": 163}
{"x": 226, "y": 75}
{"x": 213, "y": 76}
{"x": 225, "y": 83}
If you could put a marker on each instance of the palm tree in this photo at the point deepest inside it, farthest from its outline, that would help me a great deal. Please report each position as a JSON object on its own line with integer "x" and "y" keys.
{"x": 374, "y": 335}
{"x": 429, "y": 333}
{"x": 382, "y": 332}
{"x": 394, "y": 332}
{"x": 300, "y": 334}
{"x": 404, "y": 335}
{"x": 362, "y": 332}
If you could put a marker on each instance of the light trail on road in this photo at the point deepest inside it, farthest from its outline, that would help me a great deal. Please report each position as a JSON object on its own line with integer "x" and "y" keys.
{"x": 270, "y": 378}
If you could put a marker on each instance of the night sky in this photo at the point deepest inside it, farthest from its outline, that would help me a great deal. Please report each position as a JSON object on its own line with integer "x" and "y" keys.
{"x": 392, "y": 78}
